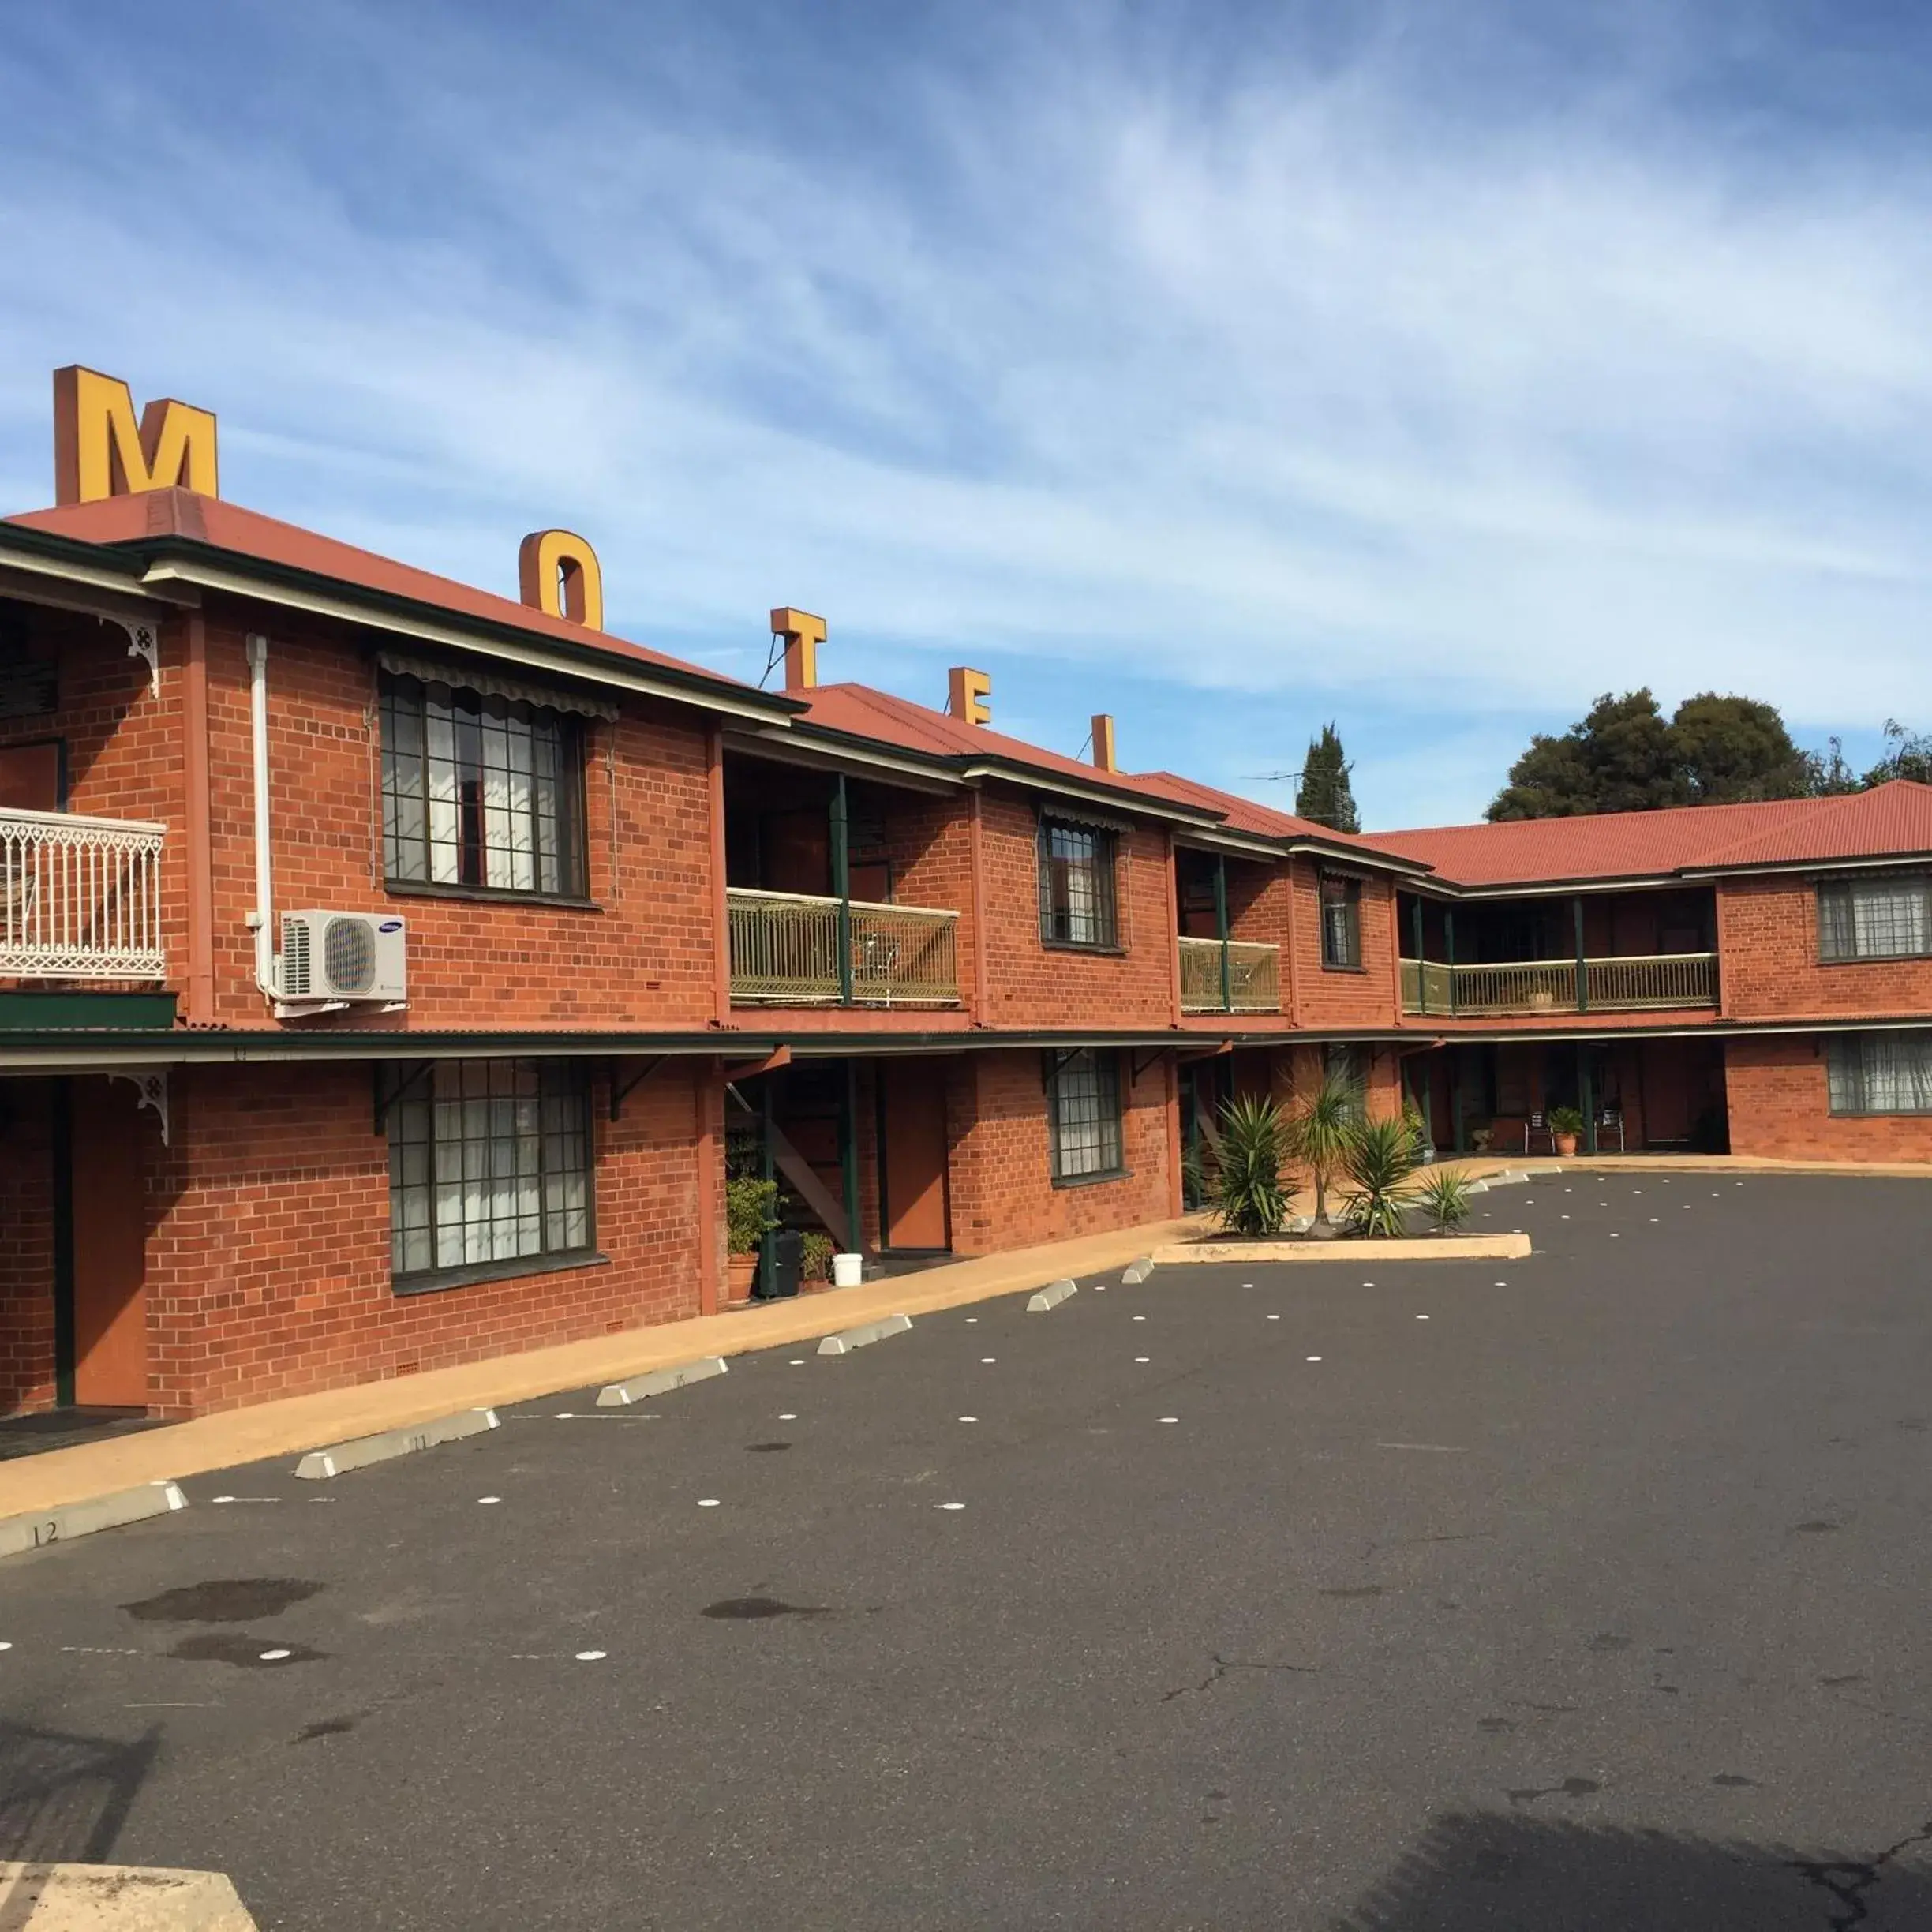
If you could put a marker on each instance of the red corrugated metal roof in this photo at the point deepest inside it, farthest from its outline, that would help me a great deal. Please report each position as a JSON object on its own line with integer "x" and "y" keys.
{"x": 1244, "y": 814}
{"x": 859, "y": 711}
{"x": 227, "y": 526}
{"x": 1890, "y": 821}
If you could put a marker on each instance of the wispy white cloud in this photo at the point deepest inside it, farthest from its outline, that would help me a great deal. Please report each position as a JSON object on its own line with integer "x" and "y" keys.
{"x": 1290, "y": 382}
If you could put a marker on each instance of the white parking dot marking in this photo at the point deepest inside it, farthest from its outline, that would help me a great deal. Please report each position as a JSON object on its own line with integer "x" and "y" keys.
{"x": 1422, "y": 1318}
{"x": 1274, "y": 1318}
{"x": 952, "y": 1505}
{"x": 489, "y": 1498}
{"x": 1139, "y": 1318}
{"x": 971, "y": 1320}
{"x": 1171, "y": 1418}
{"x": 788, "y": 1415}
{"x": 6, "y": 1646}
{"x": 565, "y": 1415}
{"x": 1314, "y": 1358}
{"x": 989, "y": 1359}
{"x": 969, "y": 1418}
{"x": 1502, "y": 1284}
{"x": 1368, "y": 1284}
{"x": 592, "y": 1656}
{"x": 1613, "y": 1233}
{"x": 707, "y": 1502}
{"x": 798, "y": 1362}
{"x": 273, "y": 1656}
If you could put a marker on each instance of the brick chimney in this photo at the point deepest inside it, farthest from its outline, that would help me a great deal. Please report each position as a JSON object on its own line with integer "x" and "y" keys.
{"x": 803, "y": 633}
{"x": 1103, "y": 741}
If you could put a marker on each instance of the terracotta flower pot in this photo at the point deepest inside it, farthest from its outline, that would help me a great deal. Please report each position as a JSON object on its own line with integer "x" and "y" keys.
{"x": 1566, "y": 1145}
{"x": 740, "y": 1276}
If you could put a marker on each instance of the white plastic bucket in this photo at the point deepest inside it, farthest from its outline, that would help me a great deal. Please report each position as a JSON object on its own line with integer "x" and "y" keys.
{"x": 846, "y": 1270}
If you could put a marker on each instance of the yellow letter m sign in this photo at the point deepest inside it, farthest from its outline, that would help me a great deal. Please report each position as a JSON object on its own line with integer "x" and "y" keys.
{"x": 99, "y": 451}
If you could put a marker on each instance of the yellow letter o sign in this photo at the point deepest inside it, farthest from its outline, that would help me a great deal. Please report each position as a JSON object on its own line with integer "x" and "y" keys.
{"x": 557, "y": 572}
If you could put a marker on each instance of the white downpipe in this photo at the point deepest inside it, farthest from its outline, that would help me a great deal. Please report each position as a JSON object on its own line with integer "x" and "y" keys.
{"x": 261, "y": 920}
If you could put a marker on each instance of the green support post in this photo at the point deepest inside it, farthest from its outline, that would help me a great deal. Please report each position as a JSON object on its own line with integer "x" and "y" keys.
{"x": 1586, "y": 1099}
{"x": 1421, "y": 975}
{"x": 768, "y": 1170}
{"x": 841, "y": 885}
{"x": 1449, "y": 948}
{"x": 1221, "y": 927}
{"x": 848, "y": 1153}
{"x": 1582, "y": 965}
{"x": 1455, "y": 1098}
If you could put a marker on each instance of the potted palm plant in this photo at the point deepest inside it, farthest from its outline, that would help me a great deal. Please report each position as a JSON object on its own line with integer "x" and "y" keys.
{"x": 1565, "y": 1123}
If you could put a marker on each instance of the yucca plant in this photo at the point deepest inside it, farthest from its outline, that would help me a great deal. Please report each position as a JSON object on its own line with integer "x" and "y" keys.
{"x": 1320, "y": 1133}
{"x": 1445, "y": 1196}
{"x": 1381, "y": 1158}
{"x": 1245, "y": 1182}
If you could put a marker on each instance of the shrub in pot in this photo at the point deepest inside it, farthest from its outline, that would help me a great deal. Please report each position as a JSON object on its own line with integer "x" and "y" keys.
{"x": 1565, "y": 1125}
{"x": 749, "y": 1216}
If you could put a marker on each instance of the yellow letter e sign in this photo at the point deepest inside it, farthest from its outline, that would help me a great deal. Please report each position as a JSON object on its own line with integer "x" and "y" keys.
{"x": 99, "y": 451}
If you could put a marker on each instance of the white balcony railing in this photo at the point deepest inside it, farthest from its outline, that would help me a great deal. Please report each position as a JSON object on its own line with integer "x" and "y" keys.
{"x": 1254, "y": 977}
{"x": 785, "y": 952}
{"x": 80, "y": 898}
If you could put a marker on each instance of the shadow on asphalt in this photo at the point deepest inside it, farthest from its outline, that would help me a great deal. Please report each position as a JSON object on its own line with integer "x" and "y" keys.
{"x": 1495, "y": 1872}
{"x": 64, "y": 1798}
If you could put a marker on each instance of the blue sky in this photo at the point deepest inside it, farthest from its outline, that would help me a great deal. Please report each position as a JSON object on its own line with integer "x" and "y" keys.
{"x": 1230, "y": 368}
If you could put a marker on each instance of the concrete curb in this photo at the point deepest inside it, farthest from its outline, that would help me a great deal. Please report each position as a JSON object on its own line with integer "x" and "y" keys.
{"x": 660, "y": 1382}
{"x": 118, "y": 1898}
{"x": 1138, "y": 1271}
{"x": 1051, "y": 1296}
{"x": 1358, "y": 1253}
{"x": 864, "y": 1335}
{"x": 79, "y": 1519}
{"x": 319, "y": 1464}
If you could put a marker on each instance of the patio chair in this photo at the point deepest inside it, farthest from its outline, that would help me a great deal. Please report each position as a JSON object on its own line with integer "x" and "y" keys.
{"x": 1538, "y": 1123}
{"x": 1611, "y": 1121}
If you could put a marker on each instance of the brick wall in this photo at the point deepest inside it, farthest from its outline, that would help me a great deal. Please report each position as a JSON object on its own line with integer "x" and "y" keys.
{"x": 1002, "y": 1190}
{"x": 1768, "y": 948}
{"x": 1324, "y": 996}
{"x": 26, "y": 1246}
{"x": 642, "y": 956}
{"x": 269, "y": 1265}
{"x": 1035, "y": 985}
{"x": 1779, "y": 1107}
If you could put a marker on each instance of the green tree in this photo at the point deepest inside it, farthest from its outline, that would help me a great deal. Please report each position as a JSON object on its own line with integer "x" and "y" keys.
{"x": 1715, "y": 750}
{"x": 1908, "y": 755}
{"x": 1620, "y": 758}
{"x": 1323, "y": 796}
{"x": 1730, "y": 750}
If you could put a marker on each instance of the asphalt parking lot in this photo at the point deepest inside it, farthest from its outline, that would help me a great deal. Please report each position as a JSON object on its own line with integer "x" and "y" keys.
{"x": 1586, "y": 1591}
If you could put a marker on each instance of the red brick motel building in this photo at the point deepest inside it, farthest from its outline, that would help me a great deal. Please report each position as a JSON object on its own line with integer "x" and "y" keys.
{"x": 386, "y": 966}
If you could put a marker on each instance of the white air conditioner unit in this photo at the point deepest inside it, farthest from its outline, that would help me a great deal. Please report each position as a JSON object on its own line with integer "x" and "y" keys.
{"x": 335, "y": 957}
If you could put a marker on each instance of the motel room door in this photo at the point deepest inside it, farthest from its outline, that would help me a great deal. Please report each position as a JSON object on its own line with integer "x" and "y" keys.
{"x": 913, "y": 1211}
{"x": 110, "y": 1300}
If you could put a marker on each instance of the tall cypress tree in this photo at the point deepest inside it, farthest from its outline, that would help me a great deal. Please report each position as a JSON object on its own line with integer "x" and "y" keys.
{"x": 1323, "y": 796}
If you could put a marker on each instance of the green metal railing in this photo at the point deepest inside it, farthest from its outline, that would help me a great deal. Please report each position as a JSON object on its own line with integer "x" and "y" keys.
{"x": 1252, "y": 984}
{"x": 1653, "y": 980}
{"x": 798, "y": 949}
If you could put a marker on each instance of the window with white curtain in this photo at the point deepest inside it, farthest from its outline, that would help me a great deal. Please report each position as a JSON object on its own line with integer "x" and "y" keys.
{"x": 1084, "y": 1113}
{"x": 1877, "y": 918}
{"x": 1880, "y": 1072}
{"x": 489, "y": 1161}
{"x": 480, "y": 791}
